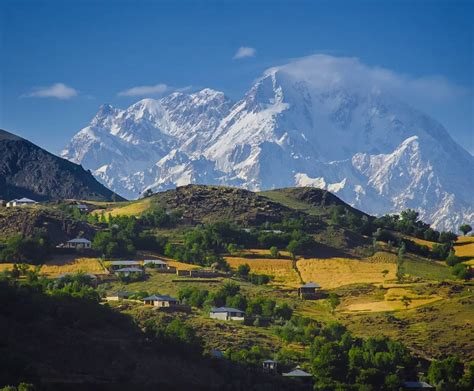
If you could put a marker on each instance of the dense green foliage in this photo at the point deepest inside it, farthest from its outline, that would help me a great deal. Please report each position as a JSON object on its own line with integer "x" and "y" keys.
{"x": 124, "y": 236}
{"x": 229, "y": 295}
{"x": 26, "y": 249}
{"x": 451, "y": 374}
{"x": 203, "y": 244}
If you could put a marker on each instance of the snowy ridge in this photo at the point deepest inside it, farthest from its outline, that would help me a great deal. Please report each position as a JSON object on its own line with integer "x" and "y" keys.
{"x": 292, "y": 128}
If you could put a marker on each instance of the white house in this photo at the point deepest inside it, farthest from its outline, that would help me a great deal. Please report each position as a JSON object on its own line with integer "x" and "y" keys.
{"x": 161, "y": 301}
{"x": 297, "y": 372}
{"x": 78, "y": 243}
{"x": 156, "y": 263}
{"x": 119, "y": 295}
{"x": 21, "y": 202}
{"x": 270, "y": 365}
{"x": 227, "y": 313}
{"x": 128, "y": 271}
{"x": 114, "y": 265}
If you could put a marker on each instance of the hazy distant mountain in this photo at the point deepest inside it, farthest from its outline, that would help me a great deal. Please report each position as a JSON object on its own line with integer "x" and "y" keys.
{"x": 27, "y": 170}
{"x": 294, "y": 127}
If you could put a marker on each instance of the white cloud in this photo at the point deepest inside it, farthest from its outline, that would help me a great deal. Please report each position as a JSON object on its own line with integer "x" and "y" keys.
{"x": 328, "y": 72}
{"x": 57, "y": 90}
{"x": 145, "y": 90}
{"x": 245, "y": 51}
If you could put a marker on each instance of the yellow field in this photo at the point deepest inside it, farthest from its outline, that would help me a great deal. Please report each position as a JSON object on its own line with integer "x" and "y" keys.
{"x": 335, "y": 272}
{"x": 392, "y": 301}
{"x": 421, "y": 241}
{"x": 181, "y": 265}
{"x": 9, "y": 266}
{"x": 78, "y": 265}
{"x": 280, "y": 269}
{"x": 464, "y": 247}
{"x": 258, "y": 251}
{"x": 131, "y": 209}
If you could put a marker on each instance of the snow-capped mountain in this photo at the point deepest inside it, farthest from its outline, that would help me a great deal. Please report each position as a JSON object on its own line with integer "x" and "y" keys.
{"x": 303, "y": 124}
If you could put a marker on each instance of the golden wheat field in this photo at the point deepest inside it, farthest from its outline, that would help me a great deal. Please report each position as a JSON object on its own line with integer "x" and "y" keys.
{"x": 335, "y": 272}
{"x": 464, "y": 247}
{"x": 280, "y": 269}
{"x": 77, "y": 265}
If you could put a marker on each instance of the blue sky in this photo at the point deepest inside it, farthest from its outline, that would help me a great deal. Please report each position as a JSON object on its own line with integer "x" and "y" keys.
{"x": 60, "y": 60}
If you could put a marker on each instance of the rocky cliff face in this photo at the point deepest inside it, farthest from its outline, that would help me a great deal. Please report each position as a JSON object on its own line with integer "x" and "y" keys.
{"x": 294, "y": 127}
{"x": 26, "y": 170}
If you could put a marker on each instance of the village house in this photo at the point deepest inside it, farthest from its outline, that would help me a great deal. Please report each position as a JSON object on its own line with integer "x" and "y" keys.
{"x": 115, "y": 265}
{"x": 128, "y": 271}
{"x": 78, "y": 244}
{"x": 119, "y": 295}
{"x": 298, "y": 373}
{"x": 227, "y": 313}
{"x": 21, "y": 202}
{"x": 161, "y": 301}
{"x": 310, "y": 290}
{"x": 156, "y": 263}
{"x": 270, "y": 366}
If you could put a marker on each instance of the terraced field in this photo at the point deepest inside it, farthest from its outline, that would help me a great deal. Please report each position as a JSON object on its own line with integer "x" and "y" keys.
{"x": 392, "y": 301}
{"x": 464, "y": 247}
{"x": 62, "y": 265}
{"x": 332, "y": 273}
{"x": 72, "y": 265}
{"x": 281, "y": 269}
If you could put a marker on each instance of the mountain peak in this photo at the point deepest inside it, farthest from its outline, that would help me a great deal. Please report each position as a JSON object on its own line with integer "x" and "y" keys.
{"x": 304, "y": 123}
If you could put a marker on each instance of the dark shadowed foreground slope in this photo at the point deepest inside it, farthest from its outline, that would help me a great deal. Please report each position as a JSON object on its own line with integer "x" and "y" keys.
{"x": 59, "y": 342}
{"x": 27, "y": 170}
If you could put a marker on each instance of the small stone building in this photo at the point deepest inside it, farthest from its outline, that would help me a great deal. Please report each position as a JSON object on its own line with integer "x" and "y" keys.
{"x": 227, "y": 313}
{"x": 161, "y": 301}
{"x": 310, "y": 291}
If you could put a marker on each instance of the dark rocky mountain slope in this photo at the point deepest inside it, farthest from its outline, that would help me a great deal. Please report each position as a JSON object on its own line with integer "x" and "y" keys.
{"x": 27, "y": 170}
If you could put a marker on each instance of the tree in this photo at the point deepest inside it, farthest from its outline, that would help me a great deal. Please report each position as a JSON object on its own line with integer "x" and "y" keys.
{"x": 243, "y": 270}
{"x": 147, "y": 193}
{"x": 447, "y": 237}
{"x": 334, "y": 301}
{"x": 283, "y": 311}
{"x": 465, "y": 229}
{"x": 452, "y": 259}
{"x": 462, "y": 271}
{"x": 293, "y": 248}
{"x": 406, "y": 301}
{"x": 274, "y": 252}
